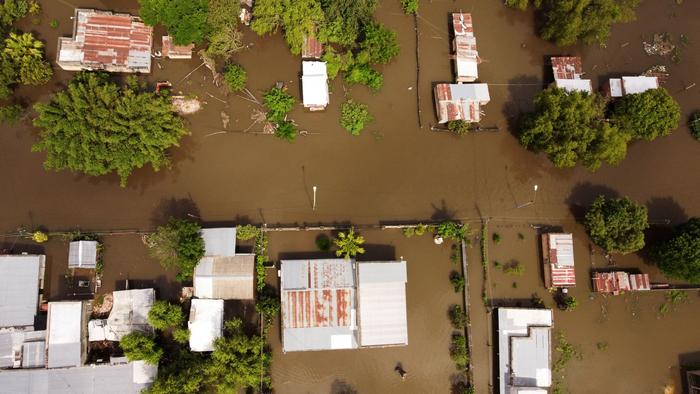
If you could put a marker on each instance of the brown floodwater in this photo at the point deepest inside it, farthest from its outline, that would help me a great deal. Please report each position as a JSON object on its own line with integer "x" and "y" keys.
{"x": 395, "y": 171}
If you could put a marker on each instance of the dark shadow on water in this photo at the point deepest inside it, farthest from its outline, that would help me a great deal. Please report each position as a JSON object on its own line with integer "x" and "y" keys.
{"x": 666, "y": 210}
{"x": 242, "y": 220}
{"x": 687, "y": 362}
{"x": 245, "y": 310}
{"x": 442, "y": 212}
{"x": 180, "y": 208}
{"x": 165, "y": 288}
{"x": 17, "y": 246}
{"x": 374, "y": 252}
{"x": 306, "y": 255}
{"x": 583, "y": 194}
{"x": 342, "y": 387}
{"x": 521, "y": 90}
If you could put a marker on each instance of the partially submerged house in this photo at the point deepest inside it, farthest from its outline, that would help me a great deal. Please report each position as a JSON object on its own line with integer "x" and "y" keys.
{"x": 460, "y": 101}
{"x": 82, "y": 254}
{"x": 171, "y": 51}
{"x": 222, "y": 273}
{"x": 21, "y": 280}
{"x": 311, "y": 48}
{"x": 129, "y": 313}
{"x": 206, "y": 323}
{"x": 567, "y": 75}
{"x": 558, "y": 260}
{"x": 524, "y": 350}
{"x": 66, "y": 340}
{"x": 330, "y": 304}
{"x": 619, "y": 87}
{"x": 314, "y": 82}
{"x": 617, "y": 282}
{"x": 103, "y": 40}
{"x": 466, "y": 56}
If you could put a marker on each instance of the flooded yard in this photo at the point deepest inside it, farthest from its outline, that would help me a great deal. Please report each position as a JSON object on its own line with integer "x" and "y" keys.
{"x": 397, "y": 171}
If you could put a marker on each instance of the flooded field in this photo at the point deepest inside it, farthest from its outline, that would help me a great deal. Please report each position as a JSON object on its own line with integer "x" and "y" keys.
{"x": 397, "y": 171}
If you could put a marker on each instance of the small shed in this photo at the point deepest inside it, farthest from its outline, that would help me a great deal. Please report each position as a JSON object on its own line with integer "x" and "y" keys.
{"x": 460, "y": 101}
{"x": 219, "y": 241}
{"x": 617, "y": 282}
{"x": 567, "y": 74}
{"x": 466, "y": 56}
{"x": 619, "y": 87}
{"x": 558, "y": 260}
{"x": 314, "y": 82}
{"x": 172, "y": 51}
{"x": 206, "y": 324}
{"x": 82, "y": 254}
{"x": 227, "y": 278}
{"x": 381, "y": 290}
{"x": 311, "y": 48}
{"x": 21, "y": 277}
{"x": 64, "y": 342}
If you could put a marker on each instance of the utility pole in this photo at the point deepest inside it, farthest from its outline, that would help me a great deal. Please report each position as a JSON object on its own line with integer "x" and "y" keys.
{"x": 534, "y": 198}
{"x": 314, "y": 204}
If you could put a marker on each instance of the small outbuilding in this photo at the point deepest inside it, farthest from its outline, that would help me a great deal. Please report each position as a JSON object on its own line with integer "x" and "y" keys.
{"x": 220, "y": 242}
{"x": 460, "y": 101}
{"x": 466, "y": 56}
{"x": 558, "y": 260}
{"x": 567, "y": 75}
{"x": 172, "y": 51}
{"x": 226, "y": 278}
{"x": 311, "y": 48}
{"x": 619, "y": 87}
{"x": 82, "y": 254}
{"x": 314, "y": 81}
{"x": 21, "y": 277}
{"x": 381, "y": 291}
{"x": 65, "y": 346}
{"x": 22, "y": 349}
{"x": 617, "y": 282}
{"x": 206, "y": 324}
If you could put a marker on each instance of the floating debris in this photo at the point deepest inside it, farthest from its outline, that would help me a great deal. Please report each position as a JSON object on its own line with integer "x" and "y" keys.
{"x": 659, "y": 71}
{"x": 662, "y": 45}
{"x": 225, "y": 119}
{"x": 186, "y": 106}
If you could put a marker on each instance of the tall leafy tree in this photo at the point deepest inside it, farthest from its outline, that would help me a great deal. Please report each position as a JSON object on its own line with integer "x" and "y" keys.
{"x": 617, "y": 225}
{"x": 346, "y": 20}
{"x": 178, "y": 244}
{"x": 378, "y": 46}
{"x": 570, "y": 128}
{"x": 26, "y": 54}
{"x": 679, "y": 257}
{"x": 186, "y": 20}
{"x": 647, "y": 115}
{"x": 297, "y": 18}
{"x": 224, "y": 37}
{"x": 183, "y": 373}
{"x": 164, "y": 315}
{"x": 141, "y": 346}
{"x": 96, "y": 127}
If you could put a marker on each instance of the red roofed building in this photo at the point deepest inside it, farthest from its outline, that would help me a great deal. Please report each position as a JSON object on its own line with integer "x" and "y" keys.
{"x": 172, "y": 51}
{"x": 558, "y": 260}
{"x": 106, "y": 41}
{"x": 567, "y": 74}
{"x": 619, "y": 281}
{"x": 460, "y": 101}
{"x": 311, "y": 48}
{"x": 466, "y": 56}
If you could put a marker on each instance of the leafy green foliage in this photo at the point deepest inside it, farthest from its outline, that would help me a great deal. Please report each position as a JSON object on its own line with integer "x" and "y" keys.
{"x": 26, "y": 54}
{"x": 10, "y": 114}
{"x": 278, "y": 103}
{"x": 186, "y": 20}
{"x": 336, "y": 62}
{"x": 409, "y": 6}
{"x": 223, "y": 36}
{"x": 298, "y": 19}
{"x": 458, "y": 281}
{"x": 181, "y": 335}
{"x": 522, "y": 4}
{"x": 178, "y": 244}
{"x": 354, "y": 116}
{"x": 348, "y": 244}
{"x": 164, "y": 315}
{"x": 458, "y": 317}
{"x": 567, "y": 352}
{"x": 235, "y": 77}
{"x": 496, "y": 237}
{"x": 261, "y": 257}
{"x": 694, "y": 124}
{"x": 617, "y": 225}
{"x": 184, "y": 373}
{"x": 647, "y": 115}
{"x": 364, "y": 74}
{"x": 246, "y": 232}
{"x": 514, "y": 269}
{"x": 268, "y": 305}
{"x": 238, "y": 361}
{"x": 12, "y": 10}
{"x": 286, "y": 130}
{"x": 459, "y": 127}
{"x": 378, "y": 46}
{"x": 452, "y": 230}
{"x": 570, "y": 303}
{"x": 323, "y": 243}
{"x": 679, "y": 257}
{"x": 346, "y": 20}
{"x": 96, "y": 127}
{"x": 459, "y": 351}
{"x": 141, "y": 346}
{"x": 569, "y": 127}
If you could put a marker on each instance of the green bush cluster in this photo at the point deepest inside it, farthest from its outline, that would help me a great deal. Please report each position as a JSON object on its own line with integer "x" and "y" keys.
{"x": 459, "y": 351}
{"x": 235, "y": 77}
{"x": 178, "y": 244}
{"x": 354, "y": 117}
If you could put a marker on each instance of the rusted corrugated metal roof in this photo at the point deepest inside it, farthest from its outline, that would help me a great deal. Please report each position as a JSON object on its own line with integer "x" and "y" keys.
{"x": 619, "y": 281}
{"x": 114, "y": 42}
{"x": 460, "y": 101}
{"x": 462, "y": 23}
{"x": 640, "y": 282}
{"x": 559, "y": 256}
{"x": 173, "y": 51}
{"x": 567, "y": 67}
{"x": 311, "y": 48}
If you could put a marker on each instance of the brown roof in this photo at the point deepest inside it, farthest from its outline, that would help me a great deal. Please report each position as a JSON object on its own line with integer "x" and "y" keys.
{"x": 173, "y": 51}
{"x": 567, "y": 67}
{"x": 311, "y": 48}
{"x": 462, "y": 23}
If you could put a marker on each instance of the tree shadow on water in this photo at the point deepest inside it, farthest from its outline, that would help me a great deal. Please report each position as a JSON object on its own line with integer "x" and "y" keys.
{"x": 583, "y": 194}
{"x": 181, "y": 208}
{"x": 342, "y": 387}
{"x": 521, "y": 91}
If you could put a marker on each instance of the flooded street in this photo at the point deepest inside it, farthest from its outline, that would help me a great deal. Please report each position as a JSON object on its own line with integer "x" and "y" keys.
{"x": 396, "y": 171}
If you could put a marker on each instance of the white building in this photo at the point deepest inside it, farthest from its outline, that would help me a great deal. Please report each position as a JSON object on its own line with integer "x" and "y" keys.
{"x": 206, "y": 324}
{"x": 314, "y": 81}
{"x": 64, "y": 343}
{"x": 21, "y": 277}
{"x": 524, "y": 350}
{"x": 619, "y": 87}
{"x": 568, "y": 73}
{"x": 82, "y": 254}
{"x": 222, "y": 273}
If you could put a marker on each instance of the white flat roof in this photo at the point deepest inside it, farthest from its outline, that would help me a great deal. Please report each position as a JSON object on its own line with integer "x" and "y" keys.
{"x": 19, "y": 289}
{"x": 382, "y": 303}
{"x": 219, "y": 241}
{"x": 129, "y": 313}
{"x": 82, "y": 254}
{"x": 633, "y": 85}
{"x": 314, "y": 82}
{"x": 205, "y": 324}
{"x": 616, "y": 87}
{"x": 64, "y": 334}
{"x": 524, "y": 349}
{"x": 573, "y": 85}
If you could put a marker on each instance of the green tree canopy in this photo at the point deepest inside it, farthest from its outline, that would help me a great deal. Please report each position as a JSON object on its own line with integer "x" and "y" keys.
{"x": 346, "y": 20}
{"x": 617, "y": 225}
{"x": 570, "y": 128}
{"x": 647, "y": 115}
{"x": 178, "y": 244}
{"x": 278, "y": 103}
{"x": 164, "y": 315}
{"x": 186, "y": 20}
{"x": 286, "y": 130}
{"x": 141, "y": 346}
{"x": 235, "y": 77}
{"x": 679, "y": 257}
{"x": 354, "y": 116}
{"x": 184, "y": 373}
{"x": 379, "y": 45}
{"x": 298, "y": 19}
{"x": 409, "y": 6}
{"x": 97, "y": 127}
{"x": 25, "y": 54}
{"x": 348, "y": 244}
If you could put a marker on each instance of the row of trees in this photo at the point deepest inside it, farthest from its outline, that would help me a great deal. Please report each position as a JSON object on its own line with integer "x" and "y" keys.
{"x": 571, "y": 21}
{"x": 617, "y": 225}
{"x": 577, "y": 127}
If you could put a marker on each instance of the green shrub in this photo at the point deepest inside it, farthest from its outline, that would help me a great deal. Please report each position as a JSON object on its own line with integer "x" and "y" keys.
{"x": 10, "y": 114}
{"x": 164, "y": 315}
{"x": 457, "y": 281}
{"x": 286, "y": 131}
{"x": 246, "y": 232}
{"x": 348, "y": 244}
{"x": 323, "y": 243}
{"x": 364, "y": 74}
{"x": 278, "y": 103}
{"x": 496, "y": 238}
{"x": 181, "y": 335}
{"x": 694, "y": 124}
{"x": 458, "y": 127}
{"x": 452, "y": 230}
{"x": 458, "y": 317}
{"x": 514, "y": 269}
{"x": 235, "y": 77}
{"x": 178, "y": 244}
{"x": 409, "y": 6}
{"x": 354, "y": 116}
{"x": 459, "y": 351}
{"x": 54, "y": 24}
{"x": 141, "y": 346}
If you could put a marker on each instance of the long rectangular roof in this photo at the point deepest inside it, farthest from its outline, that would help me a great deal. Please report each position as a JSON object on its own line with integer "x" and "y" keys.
{"x": 227, "y": 278}
{"x": 559, "y": 256}
{"x": 382, "y": 303}
{"x": 101, "y": 39}
{"x": 314, "y": 81}
{"x": 64, "y": 334}
{"x": 129, "y": 378}
{"x": 20, "y": 276}
{"x": 466, "y": 54}
{"x": 206, "y": 324}
{"x": 524, "y": 349}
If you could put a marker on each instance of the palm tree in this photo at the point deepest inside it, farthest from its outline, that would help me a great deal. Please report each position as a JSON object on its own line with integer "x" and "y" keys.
{"x": 23, "y": 47}
{"x": 349, "y": 244}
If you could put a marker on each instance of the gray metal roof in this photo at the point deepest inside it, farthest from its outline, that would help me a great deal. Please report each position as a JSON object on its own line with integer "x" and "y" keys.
{"x": 129, "y": 313}
{"x": 103, "y": 379}
{"x": 82, "y": 254}
{"x": 382, "y": 303}
{"x": 22, "y": 349}
{"x": 19, "y": 289}
{"x": 64, "y": 334}
{"x": 34, "y": 354}
{"x": 219, "y": 241}
{"x": 319, "y": 338}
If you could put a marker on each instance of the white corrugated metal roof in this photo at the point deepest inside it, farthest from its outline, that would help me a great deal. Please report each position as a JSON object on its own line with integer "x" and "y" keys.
{"x": 524, "y": 347}
{"x": 205, "y": 324}
{"x": 34, "y": 354}
{"x": 563, "y": 245}
{"x": 314, "y": 82}
{"x": 129, "y": 313}
{"x": 616, "y": 87}
{"x": 574, "y": 85}
{"x": 471, "y": 91}
{"x": 82, "y": 254}
{"x": 382, "y": 304}
{"x": 19, "y": 289}
{"x": 227, "y": 278}
{"x": 219, "y": 241}
{"x": 64, "y": 334}
{"x": 634, "y": 85}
